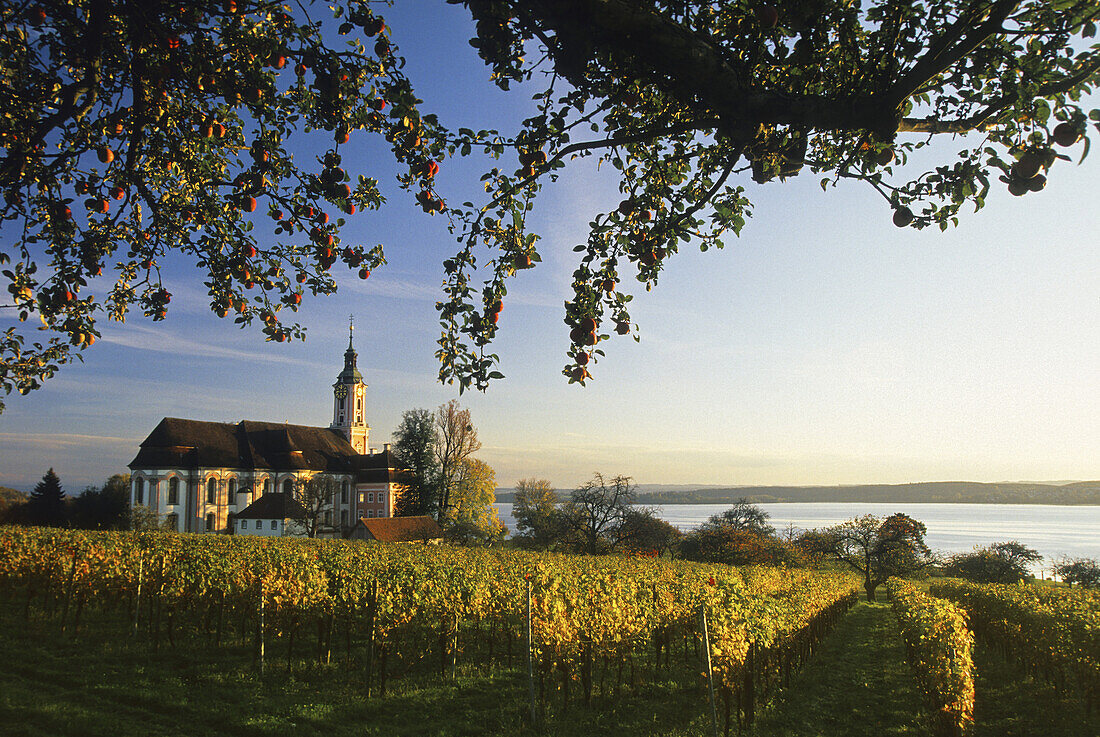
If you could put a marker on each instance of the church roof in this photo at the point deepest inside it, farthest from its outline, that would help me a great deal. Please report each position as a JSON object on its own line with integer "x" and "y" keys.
{"x": 381, "y": 468}
{"x": 274, "y": 506}
{"x": 247, "y": 444}
{"x": 400, "y": 529}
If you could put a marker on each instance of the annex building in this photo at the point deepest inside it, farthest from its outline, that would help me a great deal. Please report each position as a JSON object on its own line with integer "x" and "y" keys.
{"x": 200, "y": 476}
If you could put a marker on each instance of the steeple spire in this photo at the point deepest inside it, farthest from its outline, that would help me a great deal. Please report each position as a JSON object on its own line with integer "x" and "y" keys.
{"x": 348, "y": 397}
{"x": 350, "y": 355}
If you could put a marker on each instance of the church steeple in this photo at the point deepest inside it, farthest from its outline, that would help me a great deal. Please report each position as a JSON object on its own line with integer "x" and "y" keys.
{"x": 348, "y": 396}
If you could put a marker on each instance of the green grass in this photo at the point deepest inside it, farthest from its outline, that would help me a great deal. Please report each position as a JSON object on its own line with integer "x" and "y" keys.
{"x": 858, "y": 685}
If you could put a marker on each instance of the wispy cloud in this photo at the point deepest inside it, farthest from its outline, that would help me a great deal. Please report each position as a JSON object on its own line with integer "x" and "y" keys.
{"x": 55, "y": 440}
{"x": 397, "y": 289}
{"x": 145, "y": 338}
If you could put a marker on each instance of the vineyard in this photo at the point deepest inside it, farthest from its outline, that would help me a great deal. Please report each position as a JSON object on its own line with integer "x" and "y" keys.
{"x": 1051, "y": 634}
{"x": 550, "y": 635}
{"x": 593, "y": 626}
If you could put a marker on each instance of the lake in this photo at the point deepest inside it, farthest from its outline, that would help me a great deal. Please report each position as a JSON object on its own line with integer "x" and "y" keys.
{"x": 1055, "y": 531}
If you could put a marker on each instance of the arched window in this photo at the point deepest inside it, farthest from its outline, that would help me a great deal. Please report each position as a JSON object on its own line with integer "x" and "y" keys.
{"x": 139, "y": 491}
{"x": 344, "y": 518}
{"x": 211, "y": 491}
{"x": 210, "y": 522}
{"x": 174, "y": 490}
{"x": 344, "y": 492}
{"x": 267, "y": 485}
{"x": 232, "y": 491}
{"x": 288, "y": 487}
{"x": 172, "y": 522}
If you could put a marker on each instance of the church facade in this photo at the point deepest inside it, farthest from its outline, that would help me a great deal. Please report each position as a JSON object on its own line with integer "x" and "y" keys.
{"x": 197, "y": 476}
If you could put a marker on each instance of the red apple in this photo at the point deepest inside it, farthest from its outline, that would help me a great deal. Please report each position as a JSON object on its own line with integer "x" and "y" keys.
{"x": 1066, "y": 134}
{"x": 766, "y": 16}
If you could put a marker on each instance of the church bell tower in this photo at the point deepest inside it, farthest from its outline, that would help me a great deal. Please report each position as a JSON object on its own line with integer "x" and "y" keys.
{"x": 348, "y": 397}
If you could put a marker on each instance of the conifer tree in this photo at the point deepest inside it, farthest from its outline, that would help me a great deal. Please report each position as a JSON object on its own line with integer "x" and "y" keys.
{"x": 46, "y": 507}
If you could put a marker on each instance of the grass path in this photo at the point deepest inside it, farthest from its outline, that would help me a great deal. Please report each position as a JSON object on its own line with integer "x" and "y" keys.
{"x": 858, "y": 685}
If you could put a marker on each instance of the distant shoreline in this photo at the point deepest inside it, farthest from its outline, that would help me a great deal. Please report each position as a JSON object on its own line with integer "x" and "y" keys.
{"x": 1086, "y": 493}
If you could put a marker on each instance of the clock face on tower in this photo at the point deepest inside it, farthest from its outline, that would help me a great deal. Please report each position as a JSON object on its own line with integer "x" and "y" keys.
{"x": 341, "y": 391}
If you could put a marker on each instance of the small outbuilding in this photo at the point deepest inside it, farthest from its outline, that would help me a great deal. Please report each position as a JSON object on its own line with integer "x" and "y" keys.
{"x": 397, "y": 530}
{"x": 272, "y": 515}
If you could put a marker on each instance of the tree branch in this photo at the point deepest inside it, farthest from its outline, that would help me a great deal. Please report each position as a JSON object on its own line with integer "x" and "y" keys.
{"x": 977, "y": 121}
{"x": 945, "y": 52}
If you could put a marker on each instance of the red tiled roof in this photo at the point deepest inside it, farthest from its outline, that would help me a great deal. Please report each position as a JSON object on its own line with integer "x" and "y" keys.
{"x": 401, "y": 529}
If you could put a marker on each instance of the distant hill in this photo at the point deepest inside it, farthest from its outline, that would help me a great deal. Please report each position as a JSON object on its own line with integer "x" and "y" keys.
{"x": 931, "y": 492}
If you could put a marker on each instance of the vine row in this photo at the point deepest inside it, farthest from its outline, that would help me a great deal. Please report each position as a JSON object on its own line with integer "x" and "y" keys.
{"x": 940, "y": 648}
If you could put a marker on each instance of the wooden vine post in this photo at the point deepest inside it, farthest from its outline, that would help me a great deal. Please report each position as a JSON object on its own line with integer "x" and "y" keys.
{"x": 530, "y": 657}
{"x": 709, "y": 672}
{"x": 137, "y": 596}
{"x": 260, "y": 631}
{"x": 372, "y": 612}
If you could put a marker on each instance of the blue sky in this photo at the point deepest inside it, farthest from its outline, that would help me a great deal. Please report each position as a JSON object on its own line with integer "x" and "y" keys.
{"x": 824, "y": 346}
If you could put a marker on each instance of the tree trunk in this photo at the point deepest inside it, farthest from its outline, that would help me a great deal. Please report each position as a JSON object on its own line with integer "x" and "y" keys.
{"x": 869, "y": 586}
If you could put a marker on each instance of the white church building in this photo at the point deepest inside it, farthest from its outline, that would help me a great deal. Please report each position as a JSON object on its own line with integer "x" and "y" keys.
{"x": 200, "y": 476}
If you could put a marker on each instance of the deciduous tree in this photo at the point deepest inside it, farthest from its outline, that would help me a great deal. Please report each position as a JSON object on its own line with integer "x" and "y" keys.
{"x": 643, "y": 532}
{"x": 879, "y": 548}
{"x": 1079, "y": 571}
{"x": 103, "y": 508}
{"x": 1006, "y": 562}
{"x": 131, "y": 131}
{"x": 456, "y": 441}
{"x": 414, "y": 446}
{"x": 471, "y": 517}
{"x": 535, "y": 510}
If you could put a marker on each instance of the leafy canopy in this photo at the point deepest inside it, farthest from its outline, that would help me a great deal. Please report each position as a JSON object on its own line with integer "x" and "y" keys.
{"x": 130, "y": 131}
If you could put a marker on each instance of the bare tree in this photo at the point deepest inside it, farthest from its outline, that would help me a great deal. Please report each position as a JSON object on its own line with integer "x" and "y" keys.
{"x": 457, "y": 441}
{"x": 597, "y": 512}
{"x": 743, "y": 516}
{"x": 317, "y": 495}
